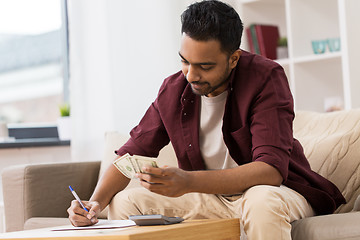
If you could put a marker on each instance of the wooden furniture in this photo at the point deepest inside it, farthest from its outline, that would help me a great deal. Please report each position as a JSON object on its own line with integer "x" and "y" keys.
{"x": 226, "y": 229}
{"x": 314, "y": 78}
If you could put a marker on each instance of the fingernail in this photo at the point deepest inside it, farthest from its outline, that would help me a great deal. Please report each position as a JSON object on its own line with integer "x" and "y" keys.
{"x": 136, "y": 175}
{"x": 94, "y": 220}
{"x": 89, "y": 216}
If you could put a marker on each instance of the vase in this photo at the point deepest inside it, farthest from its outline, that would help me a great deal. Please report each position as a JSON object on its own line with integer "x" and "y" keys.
{"x": 282, "y": 52}
{"x": 64, "y": 128}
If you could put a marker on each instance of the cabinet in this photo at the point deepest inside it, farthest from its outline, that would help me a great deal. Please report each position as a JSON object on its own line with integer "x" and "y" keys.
{"x": 315, "y": 79}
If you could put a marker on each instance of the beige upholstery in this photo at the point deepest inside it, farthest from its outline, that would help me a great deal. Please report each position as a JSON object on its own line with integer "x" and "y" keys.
{"x": 328, "y": 227}
{"x": 41, "y": 190}
{"x": 331, "y": 142}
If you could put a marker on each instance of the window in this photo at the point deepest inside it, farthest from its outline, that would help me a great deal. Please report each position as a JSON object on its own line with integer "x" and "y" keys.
{"x": 33, "y": 60}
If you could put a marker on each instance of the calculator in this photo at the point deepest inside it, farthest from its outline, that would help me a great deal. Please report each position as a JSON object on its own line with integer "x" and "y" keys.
{"x": 154, "y": 219}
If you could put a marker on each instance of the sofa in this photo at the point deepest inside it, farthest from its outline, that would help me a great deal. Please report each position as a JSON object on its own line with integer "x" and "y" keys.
{"x": 37, "y": 195}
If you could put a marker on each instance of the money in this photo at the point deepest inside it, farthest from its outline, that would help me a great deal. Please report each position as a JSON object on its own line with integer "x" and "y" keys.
{"x": 130, "y": 165}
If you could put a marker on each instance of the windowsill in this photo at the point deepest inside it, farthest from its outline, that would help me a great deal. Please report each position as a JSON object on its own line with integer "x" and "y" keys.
{"x": 32, "y": 135}
{"x": 34, "y": 142}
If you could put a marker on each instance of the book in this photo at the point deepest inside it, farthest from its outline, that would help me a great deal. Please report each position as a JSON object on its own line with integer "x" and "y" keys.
{"x": 254, "y": 39}
{"x": 267, "y": 37}
{"x": 250, "y": 40}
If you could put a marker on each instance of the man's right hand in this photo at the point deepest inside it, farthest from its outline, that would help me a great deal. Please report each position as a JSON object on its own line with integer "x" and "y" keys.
{"x": 79, "y": 217}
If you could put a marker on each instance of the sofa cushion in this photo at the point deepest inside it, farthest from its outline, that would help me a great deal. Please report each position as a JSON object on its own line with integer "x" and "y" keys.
{"x": 45, "y": 222}
{"x": 113, "y": 140}
{"x": 327, "y": 227}
{"x": 331, "y": 142}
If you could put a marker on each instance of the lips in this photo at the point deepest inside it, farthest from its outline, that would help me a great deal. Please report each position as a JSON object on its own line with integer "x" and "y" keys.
{"x": 199, "y": 84}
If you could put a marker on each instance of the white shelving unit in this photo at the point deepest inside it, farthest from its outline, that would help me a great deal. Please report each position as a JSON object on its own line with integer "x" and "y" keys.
{"x": 313, "y": 77}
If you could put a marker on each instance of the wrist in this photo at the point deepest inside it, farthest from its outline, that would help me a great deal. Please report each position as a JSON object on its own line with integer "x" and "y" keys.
{"x": 192, "y": 181}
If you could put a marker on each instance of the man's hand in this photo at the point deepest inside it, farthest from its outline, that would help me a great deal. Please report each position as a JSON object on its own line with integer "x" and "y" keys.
{"x": 79, "y": 217}
{"x": 167, "y": 181}
{"x": 174, "y": 182}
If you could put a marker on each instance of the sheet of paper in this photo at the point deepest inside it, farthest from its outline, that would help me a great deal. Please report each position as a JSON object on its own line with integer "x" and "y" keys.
{"x": 102, "y": 224}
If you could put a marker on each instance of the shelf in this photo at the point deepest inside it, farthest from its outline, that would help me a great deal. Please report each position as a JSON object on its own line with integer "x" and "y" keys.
{"x": 283, "y": 62}
{"x": 311, "y": 20}
{"x": 317, "y": 57}
{"x": 34, "y": 142}
{"x": 244, "y": 2}
{"x": 249, "y": 1}
{"x": 313, "y": 78}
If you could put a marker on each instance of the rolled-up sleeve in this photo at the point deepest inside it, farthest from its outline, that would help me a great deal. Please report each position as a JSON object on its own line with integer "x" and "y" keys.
{"x": 271, "y": 122}
{"x": 148, "y": 137}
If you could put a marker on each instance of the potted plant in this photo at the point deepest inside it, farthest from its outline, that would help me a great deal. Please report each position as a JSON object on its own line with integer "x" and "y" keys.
{"x": 64, "y": 122}
{"x": 282, "y": 48}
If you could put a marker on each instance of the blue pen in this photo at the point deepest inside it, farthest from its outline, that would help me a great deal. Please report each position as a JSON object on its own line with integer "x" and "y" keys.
{"x": 77, "y": 198}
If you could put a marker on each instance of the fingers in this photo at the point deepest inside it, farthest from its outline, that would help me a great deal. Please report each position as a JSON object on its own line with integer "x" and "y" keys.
{"x": 152, "y": 175}
{"x": 156, "y": 171}
{"x": 77, "y": 208}
{"x": 169, "y": 181}
{"x": 80, "y": 221}
{"x": 152, "y": 179}
{"x": 79, "y": 217}
{"x": 94, "y": 209}
{"x": 162, "y": 189}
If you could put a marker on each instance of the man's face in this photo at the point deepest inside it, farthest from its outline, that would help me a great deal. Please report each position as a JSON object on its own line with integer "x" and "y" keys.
{"x": 205, "y": 66}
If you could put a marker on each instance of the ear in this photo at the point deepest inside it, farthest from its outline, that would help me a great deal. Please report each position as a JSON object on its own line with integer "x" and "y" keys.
{"x": 234, "y": 58}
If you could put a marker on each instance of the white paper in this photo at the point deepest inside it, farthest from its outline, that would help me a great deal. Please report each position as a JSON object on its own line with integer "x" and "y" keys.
{"x": 102, "y": 224}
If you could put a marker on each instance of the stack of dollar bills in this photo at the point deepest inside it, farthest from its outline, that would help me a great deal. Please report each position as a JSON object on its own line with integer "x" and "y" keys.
{"x": 130, "y": 165}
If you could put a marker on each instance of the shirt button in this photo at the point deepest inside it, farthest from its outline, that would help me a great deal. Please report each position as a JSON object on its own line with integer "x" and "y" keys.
{"x": 190, "y": 145}
{"x": 184, "y": 114}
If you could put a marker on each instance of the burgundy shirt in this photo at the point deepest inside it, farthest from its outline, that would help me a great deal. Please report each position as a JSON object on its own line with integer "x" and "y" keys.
{"x": 257, "y": 126}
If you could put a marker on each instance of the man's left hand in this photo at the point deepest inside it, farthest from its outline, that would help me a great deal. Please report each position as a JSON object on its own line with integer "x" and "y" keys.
{"x": 167, "y": 181}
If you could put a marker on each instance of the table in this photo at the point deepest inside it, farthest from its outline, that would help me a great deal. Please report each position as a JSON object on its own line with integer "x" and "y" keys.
{"x": 222, "y": 229}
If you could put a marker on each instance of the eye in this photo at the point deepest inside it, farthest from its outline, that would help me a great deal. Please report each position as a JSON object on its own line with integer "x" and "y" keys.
{"x": 184, "y": 62}
{"x": 206, "y": 67}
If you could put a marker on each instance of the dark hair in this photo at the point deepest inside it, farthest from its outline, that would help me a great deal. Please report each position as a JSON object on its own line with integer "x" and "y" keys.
{"x": 213, "y": 20}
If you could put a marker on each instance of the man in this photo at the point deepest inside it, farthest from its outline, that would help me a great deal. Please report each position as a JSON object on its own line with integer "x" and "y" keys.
{"x": 228, "y": 115}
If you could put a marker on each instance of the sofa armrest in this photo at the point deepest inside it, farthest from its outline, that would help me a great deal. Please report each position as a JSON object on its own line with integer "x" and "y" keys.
{"x": 356, "y": 204}
{"x": 41, "y": 190}
{"x": 327, "y": 227}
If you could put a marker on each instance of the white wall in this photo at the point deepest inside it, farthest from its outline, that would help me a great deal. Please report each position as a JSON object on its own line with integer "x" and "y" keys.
{"x": 120, "y": 52}
{"x": 145, "y": 39}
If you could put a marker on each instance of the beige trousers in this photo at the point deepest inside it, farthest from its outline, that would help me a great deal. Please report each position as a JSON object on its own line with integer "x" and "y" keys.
{"x": 265, "y": 212}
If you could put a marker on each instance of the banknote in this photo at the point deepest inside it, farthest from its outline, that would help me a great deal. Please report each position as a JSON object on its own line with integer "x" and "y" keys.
{"x": 130, "y": 165}
{"x": 125, "y": 166}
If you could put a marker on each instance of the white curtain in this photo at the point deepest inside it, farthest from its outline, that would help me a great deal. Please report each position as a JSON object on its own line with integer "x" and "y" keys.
{"x": 120, "y": 52}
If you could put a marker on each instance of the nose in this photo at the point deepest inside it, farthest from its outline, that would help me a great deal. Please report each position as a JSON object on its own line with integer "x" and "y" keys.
{"x": 191, "y": 74}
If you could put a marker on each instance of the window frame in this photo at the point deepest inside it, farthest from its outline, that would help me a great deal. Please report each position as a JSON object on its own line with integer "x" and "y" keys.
{"x": 43, "y": 134}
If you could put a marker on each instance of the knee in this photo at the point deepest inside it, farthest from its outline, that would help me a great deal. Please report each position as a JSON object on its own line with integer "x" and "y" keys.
{"x": 123, "y": 204}
{"x": 260, "y": 201}
{"x": 265, "y": 212}
{"x": 124, "y": 197}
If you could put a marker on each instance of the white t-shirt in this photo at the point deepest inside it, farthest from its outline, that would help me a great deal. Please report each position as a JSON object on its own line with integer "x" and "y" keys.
{"x": 212, "y": 145}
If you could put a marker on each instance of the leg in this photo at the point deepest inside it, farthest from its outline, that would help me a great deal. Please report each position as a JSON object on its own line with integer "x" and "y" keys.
{"x": 136, "y": 201}
{"x": 267, "y": 211}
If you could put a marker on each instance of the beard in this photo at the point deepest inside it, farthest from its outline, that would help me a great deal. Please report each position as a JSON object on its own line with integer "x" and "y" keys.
{"x": 204, "y": 88}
